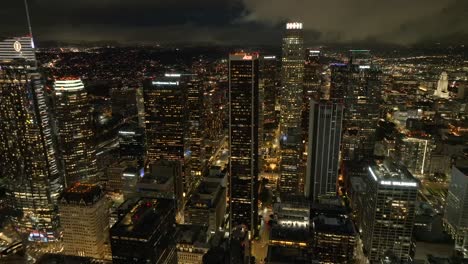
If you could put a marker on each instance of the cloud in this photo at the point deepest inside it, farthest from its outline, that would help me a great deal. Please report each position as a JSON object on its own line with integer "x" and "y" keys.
{"x": 239, "y": 21}
{"x": 397, "y": 21}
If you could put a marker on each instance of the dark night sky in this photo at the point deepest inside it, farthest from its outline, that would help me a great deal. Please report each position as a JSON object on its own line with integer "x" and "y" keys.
{"x": 239, "y": 22}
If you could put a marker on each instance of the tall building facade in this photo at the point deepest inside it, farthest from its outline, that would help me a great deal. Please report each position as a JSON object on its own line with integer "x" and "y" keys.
{"x": 334, "y": 238}
{"x": 84, "y": 219}
{"x": 415, "y": 152}
{"x": 325, "y": 127}
{"x": 456, "y": 209}
{"x": 196, "y": 142}
{"x": 359, "y": 85}
{"x": 442, "y": 86}
{"x": 77, "y": 152}
{"x": 312, "y": 88}
{"x": 243, "y": 139}
{"x": 338, "y": 81}
{"x": 269, "y": 80}
{"x": 166, "y": 122}
{"x": 388, "y": 212}
{"x": 28, "y": 162}
{"x": 124, "y": 101}
{"x": 290, "y": 180}
{"x": 292, "y": 70}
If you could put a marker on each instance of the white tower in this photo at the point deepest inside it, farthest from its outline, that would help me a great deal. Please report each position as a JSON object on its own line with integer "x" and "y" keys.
{"x": 442, "y": 86}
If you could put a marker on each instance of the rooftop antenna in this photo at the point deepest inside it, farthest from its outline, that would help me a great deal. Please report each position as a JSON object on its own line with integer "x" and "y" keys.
{"x": 28, "y": 17}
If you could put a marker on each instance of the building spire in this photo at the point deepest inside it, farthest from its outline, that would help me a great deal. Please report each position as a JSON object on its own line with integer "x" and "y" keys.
{"x": 28, "y": 18}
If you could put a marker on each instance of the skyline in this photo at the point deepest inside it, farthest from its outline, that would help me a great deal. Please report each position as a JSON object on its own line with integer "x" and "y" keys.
{"x": 233, "y": 131}
{"x": 238, "y": 22}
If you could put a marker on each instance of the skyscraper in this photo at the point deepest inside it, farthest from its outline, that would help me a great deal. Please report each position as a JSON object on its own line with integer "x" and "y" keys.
{"x": 243, "y": 139}
{"x": 456, "y": 208}
{"x": 361, "y": 93}
{"x": 291, "y": 103}
{"x": 145, "y": 233}
{"x": 292, "y": 77}
{"x": 124, "y": 101}
{"x": 312, "y": 77}
{"x": 77, "y": 152}
{"x": 389, "y": 211}
{"x": 84, "y": 218}
{"x": 268, "y": 86}
{"x": 442, "y": 86}
{"x": 289, "y": 180}
{"x": 414, "y": 150}
{"x": 195, "y": 135}
{"x": 325, "y": 126}
{"x": 28, "y": 165}
{"x": 312, "y": 88}
{"x": 269, "y": 78}
{"x": 166, "y": 121}
{"x": 334, "y": 238}
{"x": 339, "y": 81}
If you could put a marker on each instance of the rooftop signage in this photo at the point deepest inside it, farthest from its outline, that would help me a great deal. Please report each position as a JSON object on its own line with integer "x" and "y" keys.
{"x": 294, "y": 25}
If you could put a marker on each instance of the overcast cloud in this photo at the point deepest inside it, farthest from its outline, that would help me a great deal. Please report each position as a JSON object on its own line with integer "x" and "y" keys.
{"x": 239, "y": 21}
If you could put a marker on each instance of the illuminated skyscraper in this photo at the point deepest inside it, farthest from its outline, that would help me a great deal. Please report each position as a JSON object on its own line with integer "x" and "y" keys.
{"x": 388, "y": 212}
{"x": 414, "y": 150}
{"x": 268, "y": 85}
{"x": 292, "y": 77}
{"x": 338, "y": 82}
{"x": 75, "y": 135}
{"x": 311, "y": 88}
{"x": 291, "y": 102}
{"x": 289, "y": 180}
{"x": 360, "y": 87}
{"x": 243, "y": 139}
{"x": 84, "y": 219}
{"x": 456, "y": 216}
{"x": 442, "y": 86}
{"x": 166, "y": 121}
{"x": 28, "y": 164}
{"x": 312, "y": 77}
{"x": 325, "y": 126}
{"x": 195, "y": 135}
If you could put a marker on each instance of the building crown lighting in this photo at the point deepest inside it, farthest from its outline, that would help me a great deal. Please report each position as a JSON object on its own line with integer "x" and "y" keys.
{"x": 294, "y": 25}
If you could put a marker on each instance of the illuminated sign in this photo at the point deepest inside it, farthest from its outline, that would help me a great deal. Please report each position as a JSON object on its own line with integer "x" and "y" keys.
{"x": 17, "y": 46}
{"x": 294, "y": 25}
{"x": 269, "y": 57}
{"x": 247, "y": 57}
{"x": 364, "y": 67}
{"x": 399, "y": 183}
{"x": 165, "y": 83}
{"x": 128, "y": 174}
{"x": 314, "y": 51}
{"x": 172, "y": 74}
{"x": 126, "y": 132}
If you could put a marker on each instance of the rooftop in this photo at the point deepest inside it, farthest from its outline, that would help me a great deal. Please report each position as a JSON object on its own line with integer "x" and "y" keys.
{"x": 279, "y": 254}
{"x": 81, "y": 193}
{"x": 389, "y": 173}
{"x": 336, "y": 224}
{"x": 143, "y": 218}
{"x": 289, "y": 234}
{"x": 193, "y": 235}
